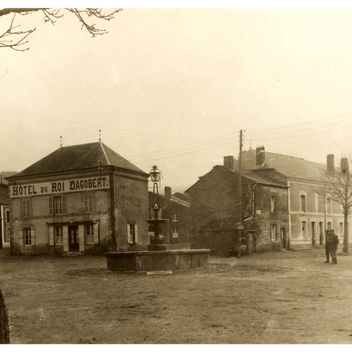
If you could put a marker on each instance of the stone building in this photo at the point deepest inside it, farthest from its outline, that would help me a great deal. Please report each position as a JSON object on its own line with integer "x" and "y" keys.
{"x": 177, "y": 211}
{"x": 4, "y": 216}
{"x": 309, "y": 213}
{"x": 215, "y": 204}
{"x": 79, "y": 199}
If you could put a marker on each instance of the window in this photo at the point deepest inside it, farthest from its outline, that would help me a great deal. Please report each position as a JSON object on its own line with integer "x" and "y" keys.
{"x": 27, "y": 239}
{"x": 174, "y": 217}
{"x": 88, "y": 202}
{"x": 7, "y": 216}
{"x": 89, "y": 232}
{"x": 57, "y": 205}
{"x": 132, "y": 233}
{"x": 58, "y": 234}
{"x": 273, "y": 232}
{"x": 273, "y": 204}
{"x": 174, "y": 232}
{"x": 329, "y": 225}
{"x": 303, "y": 203}
{"x": 304, "y": 229}
{"x": 26, "y": 207}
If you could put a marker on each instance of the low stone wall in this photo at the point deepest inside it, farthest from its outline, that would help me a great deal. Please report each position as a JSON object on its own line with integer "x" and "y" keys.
{"x": 157, "y": 260}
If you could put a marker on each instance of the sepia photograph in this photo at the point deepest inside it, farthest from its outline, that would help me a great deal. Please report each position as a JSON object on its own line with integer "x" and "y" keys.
{"x": 176, "y": 175}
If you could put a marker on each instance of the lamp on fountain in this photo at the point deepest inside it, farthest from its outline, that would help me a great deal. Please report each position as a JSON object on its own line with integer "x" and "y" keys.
{"x": 155, "y": 176}
{"x": 157, "y": 243}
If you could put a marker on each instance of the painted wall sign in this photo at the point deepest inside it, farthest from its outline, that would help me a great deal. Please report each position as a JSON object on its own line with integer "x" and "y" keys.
{"x": 66, "y": 186}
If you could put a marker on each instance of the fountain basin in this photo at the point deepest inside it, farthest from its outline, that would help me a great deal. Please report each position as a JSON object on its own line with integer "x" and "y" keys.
{"x": 169, "y": 260}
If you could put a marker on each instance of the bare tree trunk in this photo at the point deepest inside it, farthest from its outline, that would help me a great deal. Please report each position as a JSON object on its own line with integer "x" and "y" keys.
{"x": 345, "y": 234}
{"x": 4, "y": 323}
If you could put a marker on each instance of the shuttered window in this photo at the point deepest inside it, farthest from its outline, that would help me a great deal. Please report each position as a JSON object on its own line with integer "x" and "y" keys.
{"x": 57, "y": 205}
{"x": 26, "y": 207}
{"x": 28, "y": 236}
{"x": 88, "y": 202}
{"x": 89, "y": 232}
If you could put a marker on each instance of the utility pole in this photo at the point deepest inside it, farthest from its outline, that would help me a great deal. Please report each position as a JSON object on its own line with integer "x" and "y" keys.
{"x": 240, "y": 226}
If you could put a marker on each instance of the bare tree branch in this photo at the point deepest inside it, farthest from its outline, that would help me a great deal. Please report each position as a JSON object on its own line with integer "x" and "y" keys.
{"x": 16, "y": 39}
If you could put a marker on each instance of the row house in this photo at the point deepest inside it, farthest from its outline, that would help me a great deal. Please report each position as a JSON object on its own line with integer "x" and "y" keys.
{"x": 310, "y": 212}
{"x": 215, "y": 202}
{"x": 79, "y": 199}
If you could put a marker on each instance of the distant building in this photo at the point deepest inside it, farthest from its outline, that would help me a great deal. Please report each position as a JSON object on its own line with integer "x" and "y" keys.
{"x": 309, "y": 212}
{"x": 215, "y": 202}
{"x": 4, "y": 216}
{"x": 79, "y": 199}
{"x": 177, "y": 211}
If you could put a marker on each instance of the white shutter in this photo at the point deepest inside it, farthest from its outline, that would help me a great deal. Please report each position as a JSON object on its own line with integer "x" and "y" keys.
{"x": 136, "y": 233}
{"x": 51, "y": 235}
{"x": 33, "y": 237}
{"x": 65, "y": 237}
{"x": 20, "y": 237}
{"x": 129, "y": 235}
{"x": 81, "y": 237}
{"x": 96, "y": 233}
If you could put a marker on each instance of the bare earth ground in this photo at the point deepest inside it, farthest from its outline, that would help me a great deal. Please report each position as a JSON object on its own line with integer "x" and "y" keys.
{"x": 281, "y": 297}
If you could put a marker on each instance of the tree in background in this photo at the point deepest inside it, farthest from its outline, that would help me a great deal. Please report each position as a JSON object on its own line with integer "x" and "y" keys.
{"x": 16, "y": 39}
{"x": 337, "y": 185}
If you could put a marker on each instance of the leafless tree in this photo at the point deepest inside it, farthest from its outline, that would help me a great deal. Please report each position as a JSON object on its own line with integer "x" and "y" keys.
{"x": 4, "y": 323}
{"x": 15, "y": 38}
{"x": 337, "y": 185}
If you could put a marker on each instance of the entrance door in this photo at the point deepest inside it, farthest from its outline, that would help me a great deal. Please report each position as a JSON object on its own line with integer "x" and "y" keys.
{"x": 321, "y": 236}
{"x": 313, "y": 233}
{"x": 73, "y": 243}
{"x": 283, "y": 238}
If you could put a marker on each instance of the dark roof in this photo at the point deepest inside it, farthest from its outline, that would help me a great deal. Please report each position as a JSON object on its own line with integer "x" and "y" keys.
{"x": 257, "y": 177}
{"x": 273, "y": 179}
{"x": 181, "y": 196}
{"x": 287, "y": 165}
{"x": 4, "y": 194}
{"x": 78, "y": 157}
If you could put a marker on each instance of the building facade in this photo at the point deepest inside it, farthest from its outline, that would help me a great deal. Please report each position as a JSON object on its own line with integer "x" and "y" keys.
{"x": 215, "y": 202}
{"x": 310, "y": 212}
{"x": 79, "y": 199}
{"x": 176, "y": 231}
{"x": 4, "y": 217}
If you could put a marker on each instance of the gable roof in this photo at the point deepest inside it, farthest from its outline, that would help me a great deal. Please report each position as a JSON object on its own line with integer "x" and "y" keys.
{"x": 253, "y": 175}
{"x": 289, "y": 166}
{"x": 78, "y": 157}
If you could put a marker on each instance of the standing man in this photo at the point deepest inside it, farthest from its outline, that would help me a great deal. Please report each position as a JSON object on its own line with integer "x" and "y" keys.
{"x": 334, "y": 241}
{"x": 327, "y": 245}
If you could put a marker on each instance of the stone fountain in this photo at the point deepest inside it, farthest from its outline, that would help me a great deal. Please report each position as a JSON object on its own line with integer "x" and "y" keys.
{"x": 157, "y": 258}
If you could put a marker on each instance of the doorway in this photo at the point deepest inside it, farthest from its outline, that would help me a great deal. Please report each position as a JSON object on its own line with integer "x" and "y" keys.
{"x": 283, "y": 238}
{"x": 313, "y": 232}
{"x": 321, "y": 236}
{"x": 73, "y": 243}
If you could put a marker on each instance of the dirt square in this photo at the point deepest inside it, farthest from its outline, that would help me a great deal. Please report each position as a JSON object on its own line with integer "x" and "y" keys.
{"x": 266, "y": 298}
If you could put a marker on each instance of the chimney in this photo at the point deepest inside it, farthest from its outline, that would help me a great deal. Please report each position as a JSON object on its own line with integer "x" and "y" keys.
{"x": 260, "y": 156}
{"x": 344, "y": 166}
{"x": 229, "y": 162}
{"x": 330, "y": 164}
{"x": 168, "y": 192}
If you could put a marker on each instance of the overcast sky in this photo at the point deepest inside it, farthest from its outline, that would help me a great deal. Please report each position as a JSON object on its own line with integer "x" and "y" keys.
{"x": 173, "y": 87}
